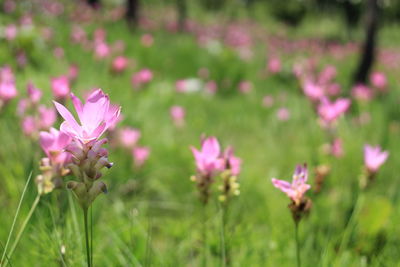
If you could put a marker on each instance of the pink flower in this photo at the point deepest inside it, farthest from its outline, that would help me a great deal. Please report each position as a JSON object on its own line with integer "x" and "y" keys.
{"x": 29, "y": 126}
{"x": 327, "y": 74}
{"x": 295, "y": 190}
{"x": 53, "y": 144}
{"x": 101, "y": 50}
{"x": 128, "y": 137}
{"x": 58, "y": 52}
{"x": 140, "y": 155}
{"x": 93, "y": 115}
{"x": 337, "y": 148}
{"x": 7, "y": 91}
{"x": 142, "y": 77}
{"x": 312, "y": 90}
{"x": 274, "y": 65}
{"x": 208, "y": 160}
{"x": 330, "y": 111}
{"x": 374, "y": 157}
{"x": 73, "y": 72}
{"x": 34, "y": 93}
{"x": 60, "y": 87}
{"x": 232, "y": 163}
{"x": 211, "y": 87}
{"x": 362, "y": 92}
{"x": 180, "y": 86}
{"x": 283, "y": 114}
{"x": 268, "y": 101}
{"x": 378, "y": 80}
{"x": 147, "y": 40}
{"x": 245, "y": 86}
{"x": 47, "y": 117}
{"x": 119, "y": 64}
{"x": 178, "y": 115}
{"x": 10, "y": 32}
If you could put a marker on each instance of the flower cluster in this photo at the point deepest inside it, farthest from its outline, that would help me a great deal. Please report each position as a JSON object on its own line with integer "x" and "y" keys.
{"x": 296, "y": 191}
{"x": 88, "y": 156}
{"x": 210, "y": 162}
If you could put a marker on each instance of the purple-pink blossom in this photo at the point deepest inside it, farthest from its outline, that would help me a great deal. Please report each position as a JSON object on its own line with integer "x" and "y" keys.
{"x": 60, "y": 87}
{"x": 53, "y": 144}
{"x": 208, "y": 159}
{"x": 331, "y": 111}
{"x": 295, "y": 190}
{"x": 374, "y": 157}
{"x": 94, "y": 117}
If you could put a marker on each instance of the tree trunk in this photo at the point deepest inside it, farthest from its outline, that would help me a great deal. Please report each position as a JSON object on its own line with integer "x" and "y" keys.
{"x": 182, "y": 14}
{"x": 131, "y": 15}
{"x": 94, "y": 3}
{"x": 368, "y": 53}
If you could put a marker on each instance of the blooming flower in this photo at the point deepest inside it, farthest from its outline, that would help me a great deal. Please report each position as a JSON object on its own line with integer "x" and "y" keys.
{"x": 374, "y": 157}
{"x": 232, "y": 162}
{"x": 283, "y": 114}
{"x": 34, "y": 93}
{"x": 274, "y": 65}
{"x": 379, "y": 80}
{"x": 331, "y": 111}
{"x": 208, "y": 159}
{"x": 53, "y": 144}
{"x": 295, "y": 190}
{"x": 93, "y": 115}
{"x": 119, "y": 64}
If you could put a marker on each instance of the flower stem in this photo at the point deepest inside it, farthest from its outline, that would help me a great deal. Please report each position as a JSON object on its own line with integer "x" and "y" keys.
{"x": 204, "y": 233}
{"x": 296, "y": 233}
{"x": 24, "y": 224}
{"x": 85, "y": 218}
{"x": 14, "y": 221}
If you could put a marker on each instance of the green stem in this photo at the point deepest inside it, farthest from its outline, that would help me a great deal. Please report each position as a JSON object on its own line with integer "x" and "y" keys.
{"x": 14, "y": 220}
{"x": 297, "y": 244}
{"x": 225, "y": 244}
{"x": 91, "y": 235}
{"x": 204, "y": 233}
{"x": 85, "y": 217}
{"x": 24, "y": 224}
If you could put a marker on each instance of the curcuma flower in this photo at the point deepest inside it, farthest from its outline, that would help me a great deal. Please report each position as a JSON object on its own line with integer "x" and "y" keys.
{"x": 53, "y": 167}
{"x": 87, "y": 154}
{"x": 230, "y": 186}
{"x": 209, "y": 163}
{"x": 374, "y": 157}
{"x": 295, "y": 191}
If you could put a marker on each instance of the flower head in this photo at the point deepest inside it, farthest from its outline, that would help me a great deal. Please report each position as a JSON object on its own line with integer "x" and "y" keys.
{"x": 374, "y": 157}
{"x": 295, "y": 190}
{"x": 208, "y": 159}
{"x": 331, "y": 111}
{"x": 53, "y": 144}
{"x": 60, "y": 87}
{"x": 94, "y": 117}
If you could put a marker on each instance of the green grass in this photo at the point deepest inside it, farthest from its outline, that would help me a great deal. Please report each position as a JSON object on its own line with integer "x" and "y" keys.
{"x": 152, "y": 216}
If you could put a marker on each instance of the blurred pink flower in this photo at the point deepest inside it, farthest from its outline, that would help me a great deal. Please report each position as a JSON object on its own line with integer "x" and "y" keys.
{"x": 295, "y": 190}
{"x": 93, "y": 116}
{"x": 313, "y": 91}
{"x": 58, "y": 52}
{"x": 337, "y": 148}
{"x": 47, "y": 117}
{"x": 73, "y": 71}
{"x": 8, "y": 91}
{"x": 268, "y": 101}
{"x": 119, "y": 64}
{"x": 53, "y": 144}
{"x": 327, "y": 74}
{"x": 29, "y": 125}
{"x": 245, "y": 86}
{"x": 140, "y": 155}
{"x": 10, "y": 32}
{"x": 208, "y": 160}
{"x": 283, "y": 114}
{"x": 232, "y": 162}
{"x": 362, "y": 92}
{"x": 128, "y": 137}
{"x": 142, "y": 77}
{"x": 101, "y": 50}
{"x": 374, "y": 157}
{"x": 274, "y": 65}
{"x": 34, "y": 94}
{"x": 178, "y": 115}
{"x": 330, "y": 111}
{"x": 60, "y": 87}
{"x": 211, "y": 87}
{"x": 379, "y": 80}
{"x": 147, "y": 40}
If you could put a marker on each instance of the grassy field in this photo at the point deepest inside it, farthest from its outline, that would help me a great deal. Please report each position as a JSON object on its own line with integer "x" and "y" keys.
{"x": 151, "y": 215}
